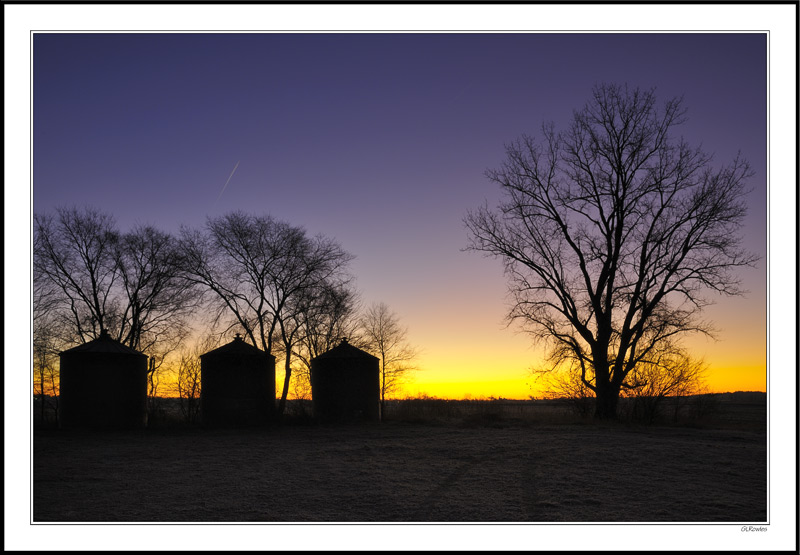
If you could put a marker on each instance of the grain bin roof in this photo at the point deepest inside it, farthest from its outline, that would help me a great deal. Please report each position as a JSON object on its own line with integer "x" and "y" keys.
{"x": 346, "y": 350}
{"x": 237, "y": 347}
{"x": 103, "y": 344}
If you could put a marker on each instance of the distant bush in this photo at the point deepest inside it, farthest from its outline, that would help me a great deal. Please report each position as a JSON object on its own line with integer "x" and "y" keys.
{"x": 471, "y": 412}
{"x": 691, "y": 410}
{"x": 298, "y": 411}
{"x": 164, "y": 412}
{"x": 45, "y": 415}
{"x": 743, "y": 397}
{"x": 582, "y": 406}
{"x": 733, "y": 410}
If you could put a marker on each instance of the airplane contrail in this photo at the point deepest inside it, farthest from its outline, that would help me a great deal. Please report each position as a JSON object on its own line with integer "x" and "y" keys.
{"x": 228, "y": 181}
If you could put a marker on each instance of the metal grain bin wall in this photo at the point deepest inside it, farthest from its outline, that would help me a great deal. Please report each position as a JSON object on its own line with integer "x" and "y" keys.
{"x": 237, "y": 385}
{"x": 103, "y": 385}
{"x": 345, "y": 384}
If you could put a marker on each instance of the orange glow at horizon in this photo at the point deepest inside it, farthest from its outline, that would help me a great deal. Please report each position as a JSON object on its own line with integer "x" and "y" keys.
{"x": 453, "y": 365}
{"x": 733, "y": 364}
{"x": 718, "y": 380}
{"x": 520, "y": 387}
{"x": 737, "y": 378}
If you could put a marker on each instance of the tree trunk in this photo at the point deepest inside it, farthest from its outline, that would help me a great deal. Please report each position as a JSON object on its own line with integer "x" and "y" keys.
{"x": 44, "y": 400}
{"x": 288, "y": 376}
{"x": 606, "y": 402}
{"x": 383, "y": 389}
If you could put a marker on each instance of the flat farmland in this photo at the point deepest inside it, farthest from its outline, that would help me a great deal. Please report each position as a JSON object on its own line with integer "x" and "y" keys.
{"x": 443, "y": 471}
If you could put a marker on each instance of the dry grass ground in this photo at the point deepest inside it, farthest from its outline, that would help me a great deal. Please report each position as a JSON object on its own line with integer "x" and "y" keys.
{"x": 480, "y": 469}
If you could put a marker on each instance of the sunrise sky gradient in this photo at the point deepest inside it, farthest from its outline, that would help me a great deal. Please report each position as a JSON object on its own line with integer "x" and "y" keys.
{"x": 179, "y": 166}
{"x": 381, "y": 141}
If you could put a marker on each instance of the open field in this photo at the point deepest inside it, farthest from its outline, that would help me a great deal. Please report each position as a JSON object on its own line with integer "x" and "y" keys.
{"x": 482, "y": 468}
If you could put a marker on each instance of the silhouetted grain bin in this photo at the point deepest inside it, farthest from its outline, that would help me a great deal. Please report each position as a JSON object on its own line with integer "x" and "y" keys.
{"x": 345, "y": 384}
{"x": 103, "y": 385}
{"x": 237, "y": 385}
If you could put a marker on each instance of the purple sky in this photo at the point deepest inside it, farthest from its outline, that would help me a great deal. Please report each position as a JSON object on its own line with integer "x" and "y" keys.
{"x": 377, "y": 140}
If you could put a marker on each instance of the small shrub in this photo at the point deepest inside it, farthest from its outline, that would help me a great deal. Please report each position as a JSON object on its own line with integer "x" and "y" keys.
{"x": 702, "y": 407}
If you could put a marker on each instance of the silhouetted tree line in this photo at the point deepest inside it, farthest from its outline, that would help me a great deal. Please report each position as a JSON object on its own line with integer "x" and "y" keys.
{"x": 612, "y": 233}
{"x": 288, "y": 293}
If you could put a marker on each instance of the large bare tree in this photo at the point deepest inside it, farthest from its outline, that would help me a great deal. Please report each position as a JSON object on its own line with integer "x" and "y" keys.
{"x": 260, "y": 271}
{"x": 157, "y": 301}
{"x": 613, "y": 232}
{"x": 383, "y": 335}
